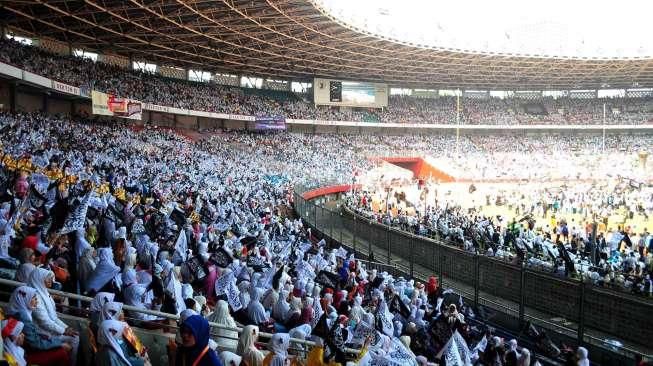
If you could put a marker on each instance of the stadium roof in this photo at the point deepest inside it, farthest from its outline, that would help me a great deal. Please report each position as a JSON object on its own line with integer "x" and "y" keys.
{"x": 299, "y": 39}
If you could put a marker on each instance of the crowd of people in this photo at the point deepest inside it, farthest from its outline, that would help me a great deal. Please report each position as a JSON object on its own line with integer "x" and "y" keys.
{"x": 200, "y": 229}
{"x": 203, "y": 230}
{"x": 558, "y": 185}
{"x": 212, "y": 97}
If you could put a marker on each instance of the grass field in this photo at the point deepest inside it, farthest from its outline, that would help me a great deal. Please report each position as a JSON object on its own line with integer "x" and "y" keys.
{"x": 458, "y": 194}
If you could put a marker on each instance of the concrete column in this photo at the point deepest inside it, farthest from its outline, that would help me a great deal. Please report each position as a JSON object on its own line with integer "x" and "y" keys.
{"x": 12, "y": 97}
{"x": 44, "y": 108}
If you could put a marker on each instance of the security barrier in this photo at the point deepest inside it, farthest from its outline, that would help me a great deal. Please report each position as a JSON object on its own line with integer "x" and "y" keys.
{"x": 531, "y": 294}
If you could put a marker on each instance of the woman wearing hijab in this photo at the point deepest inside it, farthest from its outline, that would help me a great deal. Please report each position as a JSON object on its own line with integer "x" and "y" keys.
{"x": 172, "y": 289}
{"x": 86, "y": 267}
{"x": 135, "y": 295}
{"x": 26, "y": 267}
{"x": 241, "y": 315}
{"x": 280, "y": 311}
{"x": 512, "y": 355}
{"x": 251, "y": 356}
{"x": 582, "y": 355}
{"x": 97, "y": 304}
{"x": 524, "y": 358}
{"x": 300, "y": 332}
{"x": 112, "y": 348}
{"x": 41, "y": 349}
{"x": 194, "y": 349}
{"x": 269, "y": 298}
{"x": 104, "y": 274}
{"x": 45, "y": 314}
{"x": 278, "y": 347}
{"x": 112, "y": 311}
{"x": 12, "y": 340}
{"x": 307, "y": 311}
{"x": 221, "y": 316}
{"x": 294, "y": 317}
{"x": 255, "y": 310}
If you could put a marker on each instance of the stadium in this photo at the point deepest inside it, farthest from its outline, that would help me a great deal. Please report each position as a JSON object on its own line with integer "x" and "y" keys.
{"x": 325, "y": 182}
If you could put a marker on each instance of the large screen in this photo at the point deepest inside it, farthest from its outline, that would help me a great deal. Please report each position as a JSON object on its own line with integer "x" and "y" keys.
{"x": 358, "y": 93}
{"x": 335, "y": 91}
{"x": 271, "y": 123}
{"x": 350, "y": 93}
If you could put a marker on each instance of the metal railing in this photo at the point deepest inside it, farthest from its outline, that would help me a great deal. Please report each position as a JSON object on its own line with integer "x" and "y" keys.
{"x": 300, "y": 345}
{"x": 532, "y": 295}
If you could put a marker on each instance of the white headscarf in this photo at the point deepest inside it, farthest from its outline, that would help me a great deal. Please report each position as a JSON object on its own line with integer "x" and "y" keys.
{"x": 230, "y": 358}
{"x": 23, "y": 272}
{"x": 243, "y": 287}
{"x": 19, "y": 301}
{"x": 107, "y": 338}
{"x": 111, "y": 310}
{"x": 100, "y": 299}
{"x": 222, "y": 317}
{"x": 130, "y": 257}
{"x": 524, "y": 358}
{"x": 86, "y": 264}
{"x": 247, "y": 348}
{"x": 279, "y": 344}
{"x": 81, "y": 244}
{"x": 281, "y": 308}
{"x": 300, "y": 332}
{"x": 582, "y": 354}
{"x": 37, "y": 282}
{"x": 105, "y": 271}
{"x": 255, "y": 310}
{"x": 10, "y": 347}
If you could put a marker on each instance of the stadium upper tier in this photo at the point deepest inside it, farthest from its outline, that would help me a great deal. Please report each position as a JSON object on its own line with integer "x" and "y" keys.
{"x": 212, "y": 97}
{"x": 300, "y": 39}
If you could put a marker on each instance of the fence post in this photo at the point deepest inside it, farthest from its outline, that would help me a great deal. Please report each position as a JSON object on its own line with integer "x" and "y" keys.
{"x": 477, "y": 279}
{"x": 369, "y": 241}
{"x": 434, "y": 262}
{"x": 522, "y": 293}
{"x": 441, "y": 265}
{"x": 341, "y": 226}
{"x": 315, "y": 215}
{"x": 412, "y": 252}
{"x": 331, "y": 223}
{"x": 581, "y": 315}
{"x": 389, "y": 251}
{"x": 354, "y": 234}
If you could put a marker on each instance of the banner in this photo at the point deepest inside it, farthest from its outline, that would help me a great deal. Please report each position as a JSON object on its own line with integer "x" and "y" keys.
{"x": 155, "y": 107}
{"x": 110, "y": 105}
{"x": 65, "y": 88}
{"x": 85, "y": 90}
{"x": 270, "y": 123}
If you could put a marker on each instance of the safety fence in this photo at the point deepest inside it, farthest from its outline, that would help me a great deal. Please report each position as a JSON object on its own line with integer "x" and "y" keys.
{"x": 568, "y": 305}
{"x": 75, "y": 314}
